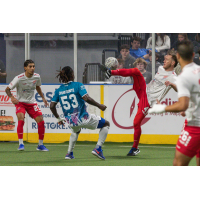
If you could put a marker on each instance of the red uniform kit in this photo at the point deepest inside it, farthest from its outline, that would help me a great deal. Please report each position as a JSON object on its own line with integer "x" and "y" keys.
{"x": 147, "y": 94}
{"x": 188, "y": 84}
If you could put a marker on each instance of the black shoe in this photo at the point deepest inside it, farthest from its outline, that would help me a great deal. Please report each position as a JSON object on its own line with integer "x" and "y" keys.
{"x": 133, "y": 152}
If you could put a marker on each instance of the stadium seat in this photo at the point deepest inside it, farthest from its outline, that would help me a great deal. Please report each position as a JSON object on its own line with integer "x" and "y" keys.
{"x": 124, "y": 39}
{"x": 92, "y": 72}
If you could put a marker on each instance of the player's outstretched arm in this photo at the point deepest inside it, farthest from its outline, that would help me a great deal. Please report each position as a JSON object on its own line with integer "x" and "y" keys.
{"x": 167, "y": 83}
{"x": 55, "y": 113}
{"x": 91, "y": 101}
{"x": 126, "y": 72}
{"x": 39, "y": 90}
{"x": 13, "y": 99}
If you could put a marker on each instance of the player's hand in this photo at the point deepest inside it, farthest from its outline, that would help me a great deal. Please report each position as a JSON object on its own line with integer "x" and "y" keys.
{"x": 167, "y": 83}
{"x": 157, "y": 108}
{"x": 183, "y": 113}
{"x": 61, "y": 121}
{"x": 158, "y": 102}
{"x": 45, "y": 102}
{"x": 14, "y": 100}
{"x": 102, "y": 107}
{"x": 107, "y": 72}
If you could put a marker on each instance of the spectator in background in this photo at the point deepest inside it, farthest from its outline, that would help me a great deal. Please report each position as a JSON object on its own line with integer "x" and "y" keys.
{"x": 149, "y": 65}
{"x": 141, "y": 65}
{"x": 119, "y": 64}
{"x": 162, "y": 42}
{"x": 126, "y": 57}
{"x": 181, "y": 37}
{"x": 2, "y": 72}
{"x": 136, "y": 51}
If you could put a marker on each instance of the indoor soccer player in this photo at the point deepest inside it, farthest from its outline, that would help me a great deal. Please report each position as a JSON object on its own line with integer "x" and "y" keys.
{"x": 72, "y": 96}
{"x": 147, "y": 95}
{"x": 188, "y": 85}
{"x": 25, "y": 85}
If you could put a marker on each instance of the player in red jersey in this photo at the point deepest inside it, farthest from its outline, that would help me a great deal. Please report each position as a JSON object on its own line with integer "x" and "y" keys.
{"x": 188, "y": 85}
{"x": 147, "y": 95}
{"x": 26, "y": 84}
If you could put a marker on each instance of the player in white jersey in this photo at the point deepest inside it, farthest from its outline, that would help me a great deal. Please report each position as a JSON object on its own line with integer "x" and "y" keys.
{"x": 156, "y": 89}
{"x": 188, "y": 85}
{"x": 25, "y": 85}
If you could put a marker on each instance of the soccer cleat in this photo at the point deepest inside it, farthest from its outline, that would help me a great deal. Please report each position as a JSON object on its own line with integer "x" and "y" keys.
{"x": 42, "y": 148}
{"x": 133, "y": 152}
{"x": 107, "y": 72}
{"x": 69, "y": 156}
{"x": 99, "y": 153}
{"x": 21, "y": 147}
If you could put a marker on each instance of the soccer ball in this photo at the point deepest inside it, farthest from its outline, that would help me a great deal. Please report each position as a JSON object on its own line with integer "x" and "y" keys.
{"x": 111, "y": 62}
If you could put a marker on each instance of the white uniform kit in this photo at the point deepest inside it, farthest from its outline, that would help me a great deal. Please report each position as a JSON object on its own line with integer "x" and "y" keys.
{"x": 25, "y": 87}
{"x": 157, "y": 89}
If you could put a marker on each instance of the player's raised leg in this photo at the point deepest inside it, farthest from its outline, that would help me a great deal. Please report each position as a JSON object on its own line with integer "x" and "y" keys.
{"x": 104, "y": 126}
{"x": 72, "y": 141}
{"x": 41, "y": 132}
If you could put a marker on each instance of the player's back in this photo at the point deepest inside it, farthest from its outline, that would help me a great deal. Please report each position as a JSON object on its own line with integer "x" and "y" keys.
{"x": 73, "y": 106}
{"x": 189, "y": 85}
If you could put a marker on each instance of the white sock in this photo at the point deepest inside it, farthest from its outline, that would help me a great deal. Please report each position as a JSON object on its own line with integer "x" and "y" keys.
{"x": 102, "y": 135}
{"x": 72, "y": 141}
{"x": 40, "y": 142}
{"x": 21, "y": 141}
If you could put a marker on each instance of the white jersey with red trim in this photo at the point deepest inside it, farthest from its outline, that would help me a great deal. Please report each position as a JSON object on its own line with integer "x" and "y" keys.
{"x": 25, "y": 87}
{"x": 157, "y": 89}
{"x": 188, "y": 85}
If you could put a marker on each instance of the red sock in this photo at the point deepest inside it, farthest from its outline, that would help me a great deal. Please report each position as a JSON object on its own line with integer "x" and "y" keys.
{"x": 41, "y": 130}
{"x": 20, "y": 129}
{"x": 137, "y": 127}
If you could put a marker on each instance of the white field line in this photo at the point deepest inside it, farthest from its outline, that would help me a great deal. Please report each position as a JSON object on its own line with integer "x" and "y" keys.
{"x": 62, "y": 145}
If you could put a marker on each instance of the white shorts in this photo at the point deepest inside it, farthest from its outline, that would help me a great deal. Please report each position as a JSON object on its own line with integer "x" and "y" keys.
{"x": 91, "y": 124}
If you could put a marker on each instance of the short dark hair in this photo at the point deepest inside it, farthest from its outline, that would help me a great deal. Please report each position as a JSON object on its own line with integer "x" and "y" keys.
{"x": 136, "y": 38}
{"x": 27, "y": 62}
{"x": 185, "y": 50}
{"x": 156, "y": 54}
{"x": 125, "y": 46}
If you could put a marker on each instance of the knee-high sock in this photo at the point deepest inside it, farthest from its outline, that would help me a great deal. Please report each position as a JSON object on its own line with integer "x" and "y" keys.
{"x": 41, "y": 130}
{"x": 102, "y": 135}
{"x": 20, "y": 129}
{"x": 137, "y": 127}
{"x": 72, "y": 141}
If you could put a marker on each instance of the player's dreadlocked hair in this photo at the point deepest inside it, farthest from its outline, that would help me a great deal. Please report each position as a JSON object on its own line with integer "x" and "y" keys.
{"x": 65, "y": 75}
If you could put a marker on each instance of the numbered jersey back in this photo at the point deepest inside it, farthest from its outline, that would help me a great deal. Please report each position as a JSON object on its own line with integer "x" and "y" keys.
{"x": 70, "y": 97}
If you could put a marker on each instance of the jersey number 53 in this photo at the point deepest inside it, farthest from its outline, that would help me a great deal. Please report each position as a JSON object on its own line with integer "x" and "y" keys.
{"x": 66, "y": 104}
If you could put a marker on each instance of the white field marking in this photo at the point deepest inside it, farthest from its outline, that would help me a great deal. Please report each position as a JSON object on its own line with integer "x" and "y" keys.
{"x": 62, "y": 145}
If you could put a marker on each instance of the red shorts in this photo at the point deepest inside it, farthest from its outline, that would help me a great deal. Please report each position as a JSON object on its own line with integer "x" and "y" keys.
{"x": 32, "y": 109}
{"x": 189, "y": 141}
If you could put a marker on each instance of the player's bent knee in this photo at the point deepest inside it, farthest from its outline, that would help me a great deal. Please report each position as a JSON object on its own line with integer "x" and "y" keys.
{"x": 107, "y": 123}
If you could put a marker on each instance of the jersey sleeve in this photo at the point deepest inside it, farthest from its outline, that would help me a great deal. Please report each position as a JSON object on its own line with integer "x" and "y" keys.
{"x": 13, "y": 83}
{"x": 81, "y": 90}
{"x": 184, "y": 86}
{"x": 55, "y": 96}
{"x": 39, "y": 82}
{"x": 126, "y": 72}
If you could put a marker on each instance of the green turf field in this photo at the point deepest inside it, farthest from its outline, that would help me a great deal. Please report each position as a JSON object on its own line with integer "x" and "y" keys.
{"x": 115, "y": 153}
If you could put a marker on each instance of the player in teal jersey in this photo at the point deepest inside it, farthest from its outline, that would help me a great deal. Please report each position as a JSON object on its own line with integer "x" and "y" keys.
{"x": 72, "y": 96}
